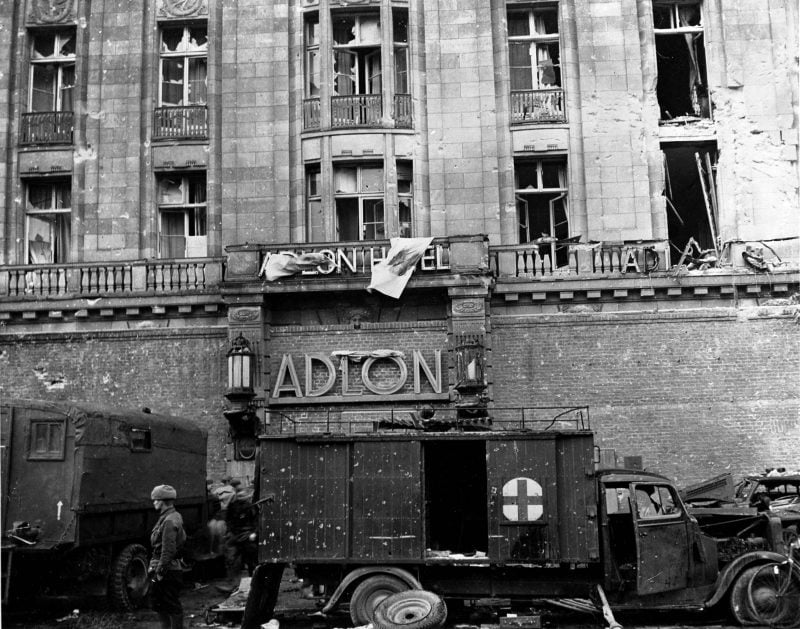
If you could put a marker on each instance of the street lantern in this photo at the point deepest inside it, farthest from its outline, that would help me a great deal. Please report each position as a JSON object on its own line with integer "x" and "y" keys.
{"x": 240, "y": 371}
{"x": 470, "y": 364}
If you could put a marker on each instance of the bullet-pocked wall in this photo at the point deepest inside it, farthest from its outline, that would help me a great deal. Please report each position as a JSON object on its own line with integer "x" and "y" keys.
{"x": 174, "y": 372}
{"x": 694, "y": 393}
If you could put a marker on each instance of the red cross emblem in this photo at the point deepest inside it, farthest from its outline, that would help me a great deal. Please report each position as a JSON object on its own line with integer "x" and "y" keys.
{"x": 522, "y": 500}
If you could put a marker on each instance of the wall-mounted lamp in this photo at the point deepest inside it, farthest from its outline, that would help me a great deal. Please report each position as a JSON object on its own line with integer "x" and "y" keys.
{"x": 470, "y": 363}
{"x": 242, "y": 416}
{"x": 240, "y": 372}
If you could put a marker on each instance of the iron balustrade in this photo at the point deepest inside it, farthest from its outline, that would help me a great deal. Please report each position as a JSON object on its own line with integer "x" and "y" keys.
{"x": 397, "y": 418}
{"x": 359, "y": 110}
{"x": 190, "y": 121}
{"x": 532, "y": 261}
{"x": 311, "y": 116}
{"x": 537, "y": 106}
{"x": 47, "y": 127}
{"x": 402, "y": 111}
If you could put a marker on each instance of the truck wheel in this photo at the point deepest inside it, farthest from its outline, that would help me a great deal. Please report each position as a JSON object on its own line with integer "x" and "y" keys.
{"x": 414, "y": 609}
{"x": 369, "y": 593}
{"x": 739, "y": 599}
{"x": 128, "y": 584}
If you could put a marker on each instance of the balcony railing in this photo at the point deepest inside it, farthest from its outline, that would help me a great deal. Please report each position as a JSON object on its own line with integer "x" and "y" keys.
{"x": 531, "y": 261}
{"x": 47, "y": 127}
{"x": 360, "y": 110}
{"x": 402, "y": 111}
{"x": 180, "y": 122}
{"x": 311, "y": 113}
{"x": 537, "y": 106}
{"x": 94, "y": 279}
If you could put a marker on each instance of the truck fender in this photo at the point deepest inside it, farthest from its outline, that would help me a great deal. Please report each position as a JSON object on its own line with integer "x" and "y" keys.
{"x": 732, "y": 570}
{"x": 359, "y": 573}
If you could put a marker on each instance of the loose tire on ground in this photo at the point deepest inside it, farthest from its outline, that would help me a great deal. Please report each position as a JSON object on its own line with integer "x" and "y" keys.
{"x": 264, "y": 589}
{"x": 368, "y": 595}
{"x": 128, "y": 584}
{"x": 414, "y": 609}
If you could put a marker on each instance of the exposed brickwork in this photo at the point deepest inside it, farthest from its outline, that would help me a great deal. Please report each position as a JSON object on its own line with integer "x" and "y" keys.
{"x": 179, "y": 373}
{"x": 694, "y": 396}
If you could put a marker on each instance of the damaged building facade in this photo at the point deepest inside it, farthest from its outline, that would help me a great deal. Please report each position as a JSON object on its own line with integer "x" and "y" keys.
{"x": 610, "y": 186}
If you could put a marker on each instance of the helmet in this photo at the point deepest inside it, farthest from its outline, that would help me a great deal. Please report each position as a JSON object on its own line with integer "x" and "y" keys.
{"x": 163, "y": 492}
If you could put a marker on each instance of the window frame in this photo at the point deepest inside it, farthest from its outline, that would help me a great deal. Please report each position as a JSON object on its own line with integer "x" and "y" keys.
{"x": 361, "y": 196}
{"x": 366, "y": 55}
{"x": 536, "y": 40}
{"x": 312, "y": 49}
{"x": 191, "y": 210}
{"x": 182, "y": 52}
{"x": 146, "y": 446}
{"x": 61, "y": 62}
{"x": 47, "y": 455}
{"x": 56, "y": 256}
{"x": 675, "y": 514}
{"x": 560, "y": 192}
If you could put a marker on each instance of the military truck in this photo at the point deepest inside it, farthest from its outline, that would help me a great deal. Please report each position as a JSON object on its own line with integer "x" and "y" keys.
{"x": 506, "y": 511}
{"x": 76, "y": 484}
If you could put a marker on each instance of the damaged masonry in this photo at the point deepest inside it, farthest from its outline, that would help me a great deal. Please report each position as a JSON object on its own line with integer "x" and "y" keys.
{"x": 390, "y": 257}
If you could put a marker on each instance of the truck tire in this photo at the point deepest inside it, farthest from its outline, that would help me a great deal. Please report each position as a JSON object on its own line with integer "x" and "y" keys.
{"x": 739, "y": 600}
{"x": 413, "y": 609}
{"x": 128, "y": 584}
{"x": 368, "y": 595}
{"x": 264, "y": 589}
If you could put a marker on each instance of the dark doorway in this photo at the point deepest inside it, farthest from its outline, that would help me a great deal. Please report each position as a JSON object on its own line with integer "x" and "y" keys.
{"x": 691, "y": 195}
{"x": 455, "y": 496}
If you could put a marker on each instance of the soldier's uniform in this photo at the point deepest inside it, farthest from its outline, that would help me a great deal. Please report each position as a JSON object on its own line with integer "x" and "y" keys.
{"x": 167, "y": 540}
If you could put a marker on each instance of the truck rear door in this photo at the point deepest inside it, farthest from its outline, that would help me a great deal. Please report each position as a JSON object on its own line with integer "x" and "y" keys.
{"x": 662, "y": 538}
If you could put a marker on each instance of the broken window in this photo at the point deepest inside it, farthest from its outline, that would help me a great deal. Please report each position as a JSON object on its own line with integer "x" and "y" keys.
{"x": 314, "y": 219}
{"x": 542, "y": 206}
{"x": 359, "y": 202}
{"x": 312, "y": 55}
{"x": 184, "y": 51}
{"x": 691, "y": 194}
{"x": 356, "y": 54}
{"x": 52, "y": 71}
{"x": 535, "y": 65}
{"x": 681, "y": 62}
{"x": 400, "y": 30}
{"x": 48, "y": 221}
{"x": 182, "y": 216}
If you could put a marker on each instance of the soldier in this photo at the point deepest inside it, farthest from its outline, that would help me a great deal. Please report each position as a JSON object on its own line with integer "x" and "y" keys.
{"x": 165, "y": 570}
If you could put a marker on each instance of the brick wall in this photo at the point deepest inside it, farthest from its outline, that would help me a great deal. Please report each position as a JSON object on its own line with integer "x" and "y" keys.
{"x": 179, "y": 373}
{"x": 694, "y": 395}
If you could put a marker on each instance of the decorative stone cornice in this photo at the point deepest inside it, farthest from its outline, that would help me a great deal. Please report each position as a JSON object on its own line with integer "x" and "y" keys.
{"x": 51, "y": 11}
{"x": 182, "y": 8}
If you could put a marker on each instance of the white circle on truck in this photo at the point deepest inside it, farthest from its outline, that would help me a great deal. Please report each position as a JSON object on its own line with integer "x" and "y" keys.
{"x": 522, "y": 500}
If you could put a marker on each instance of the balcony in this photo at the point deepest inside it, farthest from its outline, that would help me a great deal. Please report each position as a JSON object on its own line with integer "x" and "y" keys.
{"x": 532, "y": 262}
{"x": 46, "y": 127}
{"x": 76, "y": 280}
{"x": 359, "y": 110}
{"x": 311, "y": 114}
{"x": 180, "y": 123}
{"x": 402, "y": 111}
{"x": 537, "y": 106}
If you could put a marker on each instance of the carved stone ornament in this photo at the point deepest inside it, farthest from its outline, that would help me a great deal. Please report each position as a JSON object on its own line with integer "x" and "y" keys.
{"x": 244, "y": 314}
{"x": 468, "y": 306}
{"x": 182, "y": 8}
{"x": 51, "y": 11}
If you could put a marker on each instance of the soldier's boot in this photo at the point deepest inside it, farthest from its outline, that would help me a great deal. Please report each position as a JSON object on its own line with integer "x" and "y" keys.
{"x": 177, "y": 621}
{"x": 165, "y": 620}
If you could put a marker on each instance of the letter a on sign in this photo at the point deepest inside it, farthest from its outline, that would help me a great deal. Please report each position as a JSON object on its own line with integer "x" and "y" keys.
{"x": 522, "y": 500}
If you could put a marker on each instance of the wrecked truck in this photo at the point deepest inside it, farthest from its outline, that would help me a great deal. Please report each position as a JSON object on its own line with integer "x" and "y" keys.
{"x": 507, "y": 511}
{"x": 76, "y": 508}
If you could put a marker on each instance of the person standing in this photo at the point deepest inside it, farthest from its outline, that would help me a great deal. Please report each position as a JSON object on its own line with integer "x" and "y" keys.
{"x": 165, "y": 569}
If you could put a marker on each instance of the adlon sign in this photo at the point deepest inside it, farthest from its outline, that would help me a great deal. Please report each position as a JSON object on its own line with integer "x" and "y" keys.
{"x": 382, "y": 373}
